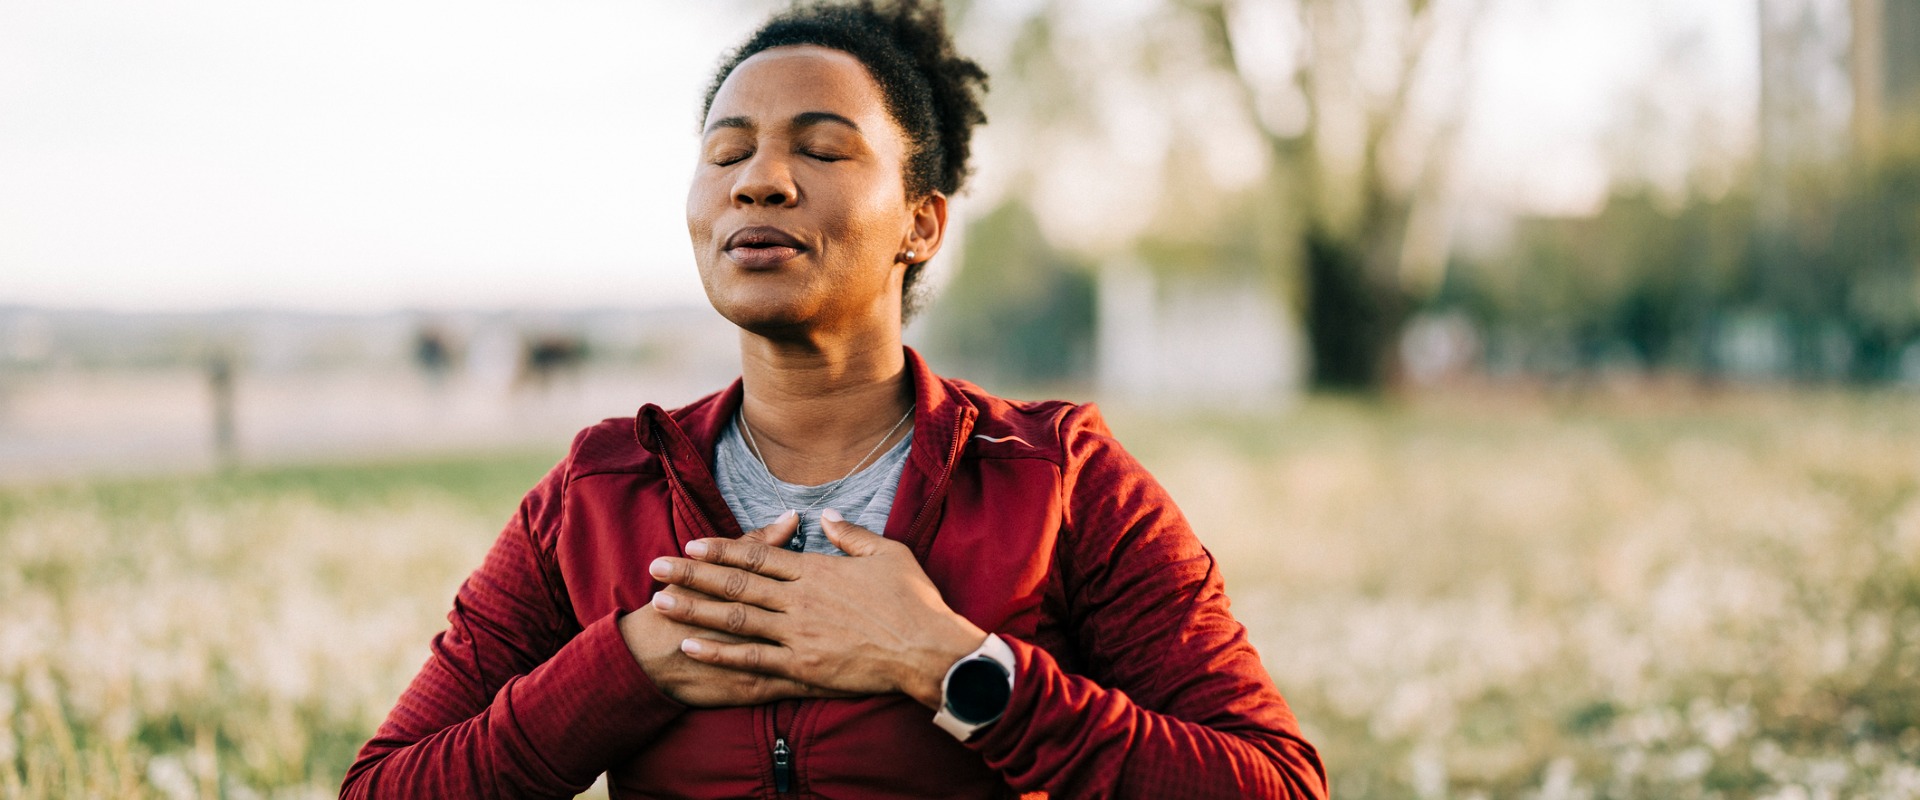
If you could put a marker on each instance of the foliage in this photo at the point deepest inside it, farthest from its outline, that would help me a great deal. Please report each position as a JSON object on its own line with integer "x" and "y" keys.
{"x": 1022, "y": 313}
{"x": 1318, "y": 127}
{"x": 1829, "y": 289}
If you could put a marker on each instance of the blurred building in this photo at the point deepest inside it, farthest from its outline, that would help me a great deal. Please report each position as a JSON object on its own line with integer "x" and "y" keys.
{"x": 1800, "y": 65}
{"x": 1885, "y": 67}
{"x": 1214, "y": 341}
{"x": 1808, "y": 50}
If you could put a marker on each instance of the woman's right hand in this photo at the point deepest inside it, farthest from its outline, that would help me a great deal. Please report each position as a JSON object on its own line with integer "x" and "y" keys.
{"x": 655, "y": 640}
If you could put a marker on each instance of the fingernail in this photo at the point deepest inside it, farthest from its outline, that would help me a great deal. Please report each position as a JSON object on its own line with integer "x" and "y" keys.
{"x": 831, "y": 515}
{"x": 689, "y": 646}
{"x": 786, "y": 516}
{"x": 664, "y": 601}
{"x": 697, "y": 548}
{"x": 660, "y": 568}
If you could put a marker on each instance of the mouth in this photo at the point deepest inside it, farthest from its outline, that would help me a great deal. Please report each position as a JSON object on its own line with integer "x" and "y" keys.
{"x": 762, "y": 246}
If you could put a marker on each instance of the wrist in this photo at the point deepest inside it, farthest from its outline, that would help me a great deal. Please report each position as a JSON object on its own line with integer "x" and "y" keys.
{"x": 977, "y": 690}
{"x": 923, "y": 679}
{"x": 634, "y": 632}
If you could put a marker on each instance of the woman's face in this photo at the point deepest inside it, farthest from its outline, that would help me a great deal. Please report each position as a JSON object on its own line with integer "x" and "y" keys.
{"x": 798, "y": 212}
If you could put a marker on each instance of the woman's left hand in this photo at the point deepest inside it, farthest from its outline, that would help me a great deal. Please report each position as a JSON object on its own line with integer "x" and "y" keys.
{"x": 868, "y": 623}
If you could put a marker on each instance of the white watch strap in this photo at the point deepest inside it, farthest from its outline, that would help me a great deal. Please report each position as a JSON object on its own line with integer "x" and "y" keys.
{"x": 993, "y": 648}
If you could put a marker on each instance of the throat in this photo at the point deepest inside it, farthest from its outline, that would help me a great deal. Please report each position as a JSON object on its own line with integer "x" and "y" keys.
{"x": 812, "y": 464}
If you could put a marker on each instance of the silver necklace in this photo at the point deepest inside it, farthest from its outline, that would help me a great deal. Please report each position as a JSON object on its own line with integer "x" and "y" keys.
{"x": 827, "y": 489}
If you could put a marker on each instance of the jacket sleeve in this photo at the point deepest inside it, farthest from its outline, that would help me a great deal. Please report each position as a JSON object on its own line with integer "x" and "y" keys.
{"x": 1175, "y": 702}
{"x": 517, "y": 699}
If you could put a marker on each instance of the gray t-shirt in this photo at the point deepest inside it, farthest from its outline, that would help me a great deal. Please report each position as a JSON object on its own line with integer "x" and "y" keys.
{"x": 864, "y": 498}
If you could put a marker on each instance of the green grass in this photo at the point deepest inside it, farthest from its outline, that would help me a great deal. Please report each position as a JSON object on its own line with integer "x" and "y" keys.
{"x": 230, "y": 632}
{"x": 1686, "y": 595}
{"x": 1488, "y": 595}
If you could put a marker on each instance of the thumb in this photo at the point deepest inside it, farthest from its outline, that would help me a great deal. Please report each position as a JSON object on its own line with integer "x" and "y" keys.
{"x": 850, "y": 538}
{"x": 778, "y": 532}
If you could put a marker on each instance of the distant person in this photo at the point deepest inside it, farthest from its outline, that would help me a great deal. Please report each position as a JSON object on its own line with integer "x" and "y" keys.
{"x": 546, "y": 357}
{"x": 842, "y": 576}
{"x": 433, "y": 353}
{"x": 220, "y": 396}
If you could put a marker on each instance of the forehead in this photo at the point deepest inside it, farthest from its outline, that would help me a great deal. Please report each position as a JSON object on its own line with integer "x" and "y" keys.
{"x": 778, "y": 83}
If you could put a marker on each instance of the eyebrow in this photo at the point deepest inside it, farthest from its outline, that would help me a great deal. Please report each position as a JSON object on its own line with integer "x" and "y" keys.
{"x": 804, "y": 119}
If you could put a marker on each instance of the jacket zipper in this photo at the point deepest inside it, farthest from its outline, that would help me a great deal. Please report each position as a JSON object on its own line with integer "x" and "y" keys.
{"x": 673, "y": 477}
{"x": 782, "y": 766}
{"x": 939, "y": 486}
{"x": 782, "y": 751}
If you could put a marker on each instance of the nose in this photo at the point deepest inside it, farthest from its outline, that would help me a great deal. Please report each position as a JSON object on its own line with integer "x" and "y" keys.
{"x": 765, "y": 180}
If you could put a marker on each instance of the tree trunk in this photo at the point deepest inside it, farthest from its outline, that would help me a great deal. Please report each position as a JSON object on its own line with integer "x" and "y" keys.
{"x": 1353, "y": 323}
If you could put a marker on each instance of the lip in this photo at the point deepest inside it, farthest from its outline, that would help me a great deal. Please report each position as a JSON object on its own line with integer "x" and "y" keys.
{"x": 762, "y": 246}
{"x": 763, "y": 236}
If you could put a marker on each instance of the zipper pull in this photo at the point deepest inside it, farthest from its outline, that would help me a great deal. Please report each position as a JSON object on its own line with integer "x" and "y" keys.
{"x": 782, "y": 766}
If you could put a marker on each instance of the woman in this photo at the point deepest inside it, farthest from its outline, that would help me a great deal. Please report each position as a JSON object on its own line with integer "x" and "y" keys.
{"x": 943, "y": 593}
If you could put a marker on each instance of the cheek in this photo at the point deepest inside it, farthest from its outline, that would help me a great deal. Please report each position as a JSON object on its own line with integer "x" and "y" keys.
{"x": 876, "y": 217}
{"x": 700, "y": 210}
{"x": 700, "y": 220}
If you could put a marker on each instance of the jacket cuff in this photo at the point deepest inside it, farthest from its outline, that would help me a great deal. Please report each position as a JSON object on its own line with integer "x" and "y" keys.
{"x": 588, "y": 707}
{"x": 1035, "y": 676}
{"x": 993, "y": 648}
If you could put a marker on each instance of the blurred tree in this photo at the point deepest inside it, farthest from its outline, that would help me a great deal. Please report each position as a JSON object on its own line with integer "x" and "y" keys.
{"x": 1635, "y": 287}
{"x": 1795, "y": 256}
{"x": 1360, "y": 104}
{"x": 1025, "y": 315}
{"x": 1325, "y": 125}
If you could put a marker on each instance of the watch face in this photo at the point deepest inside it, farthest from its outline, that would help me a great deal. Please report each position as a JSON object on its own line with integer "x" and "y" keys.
{"x": 978, "y": 690}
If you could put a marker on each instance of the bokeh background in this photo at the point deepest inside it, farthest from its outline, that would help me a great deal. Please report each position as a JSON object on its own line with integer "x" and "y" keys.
{"x": 1541, "y": 371}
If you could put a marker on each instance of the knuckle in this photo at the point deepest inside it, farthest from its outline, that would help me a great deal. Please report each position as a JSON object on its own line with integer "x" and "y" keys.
{"x": 737, "y": 619}
{"x": 736, "y": 586}
{"x": 755, "y": 559}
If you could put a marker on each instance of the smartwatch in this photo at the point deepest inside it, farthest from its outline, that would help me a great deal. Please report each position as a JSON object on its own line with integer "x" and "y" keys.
{"x": 976, "y": 689}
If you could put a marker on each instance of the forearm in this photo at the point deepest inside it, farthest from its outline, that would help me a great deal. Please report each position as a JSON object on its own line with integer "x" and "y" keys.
{"x": 1066, "y": 734}
{"x": 548, "y": 733}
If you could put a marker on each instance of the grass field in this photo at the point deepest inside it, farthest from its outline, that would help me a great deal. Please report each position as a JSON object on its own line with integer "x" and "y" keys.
{"x": 1470, "y": 596}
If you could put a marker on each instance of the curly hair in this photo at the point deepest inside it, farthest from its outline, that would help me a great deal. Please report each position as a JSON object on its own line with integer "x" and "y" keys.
{"x": 932, "y": 92}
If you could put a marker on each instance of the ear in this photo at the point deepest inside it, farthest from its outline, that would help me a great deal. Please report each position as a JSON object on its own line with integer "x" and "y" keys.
{"x": 929, "y": 229}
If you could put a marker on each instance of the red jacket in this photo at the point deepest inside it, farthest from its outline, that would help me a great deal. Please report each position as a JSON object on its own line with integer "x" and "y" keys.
{"x": 1133, "y": 680}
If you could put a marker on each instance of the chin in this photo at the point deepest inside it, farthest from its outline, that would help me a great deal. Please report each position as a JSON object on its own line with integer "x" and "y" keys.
{"x": 763, "y": 312}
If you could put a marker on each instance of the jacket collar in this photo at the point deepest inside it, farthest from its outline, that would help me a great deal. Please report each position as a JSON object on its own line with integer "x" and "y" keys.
{"x": 685, "y": 438}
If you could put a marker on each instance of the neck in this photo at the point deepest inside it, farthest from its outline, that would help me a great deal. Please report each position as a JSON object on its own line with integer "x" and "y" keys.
{"x": 817, "y": 407}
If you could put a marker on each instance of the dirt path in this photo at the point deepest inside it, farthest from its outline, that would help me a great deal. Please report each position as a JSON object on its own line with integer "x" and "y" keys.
{"x": 65, "y": 425}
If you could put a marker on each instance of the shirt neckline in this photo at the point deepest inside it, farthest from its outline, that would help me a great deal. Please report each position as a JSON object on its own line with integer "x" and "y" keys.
{"x": 740, "y": 450}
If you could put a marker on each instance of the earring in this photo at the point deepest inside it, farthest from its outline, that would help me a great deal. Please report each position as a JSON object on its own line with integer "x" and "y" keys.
{"x": 907, "y": 256}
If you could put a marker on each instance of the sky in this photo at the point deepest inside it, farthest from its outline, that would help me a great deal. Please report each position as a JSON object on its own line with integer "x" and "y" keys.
{"x": 365, "y": 156}
{"x": 1553, "y": 80}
